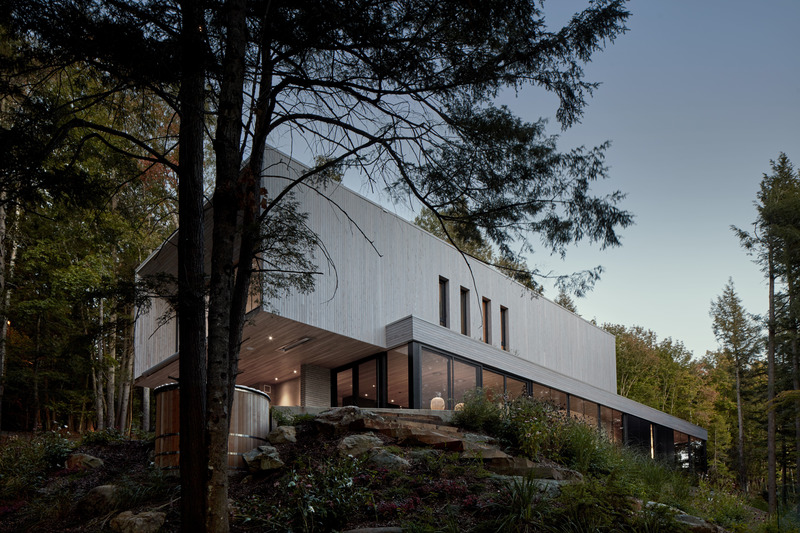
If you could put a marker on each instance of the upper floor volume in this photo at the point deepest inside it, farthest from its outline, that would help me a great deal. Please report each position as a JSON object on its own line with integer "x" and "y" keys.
{"x": 399, "y": 318}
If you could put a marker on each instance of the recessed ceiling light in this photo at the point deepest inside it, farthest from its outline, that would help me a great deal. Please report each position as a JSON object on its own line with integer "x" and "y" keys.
{"x": 295, "y": 371}
{"x": 276, "y": 379}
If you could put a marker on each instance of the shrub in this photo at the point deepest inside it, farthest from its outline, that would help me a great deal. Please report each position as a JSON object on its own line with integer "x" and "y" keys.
{"x": 479, "y": 413}
{"x": 102, "y": 437}
{"x": 24, "y": 462}
{"x": 283, "y": 417}
{"x": 534, "y": 427}
{"x": 594, "y": 505}
{"x": 720, "y": 507}
{"x": 319, "y": 499}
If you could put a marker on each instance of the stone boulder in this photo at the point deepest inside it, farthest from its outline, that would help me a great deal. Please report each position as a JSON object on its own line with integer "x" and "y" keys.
{"x": 552, "y": 471}
{"x": 338, "y": 420}
{"x": 508, "y": 465}
{"x": 146, "y": 522}
{"x": 692, "y": 523}
{"x": 282, "y": 434}
{"x": 262, "y": 459}
{"x": 417, "y": 436}
{"x": 356, "y": 445}
{"x": 381, "y": 458}
{"x": 83, "y": 461}
{"x": 100, "y": 500}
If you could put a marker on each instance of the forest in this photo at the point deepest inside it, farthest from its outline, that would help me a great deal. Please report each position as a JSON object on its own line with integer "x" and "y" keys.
{"x": 98, "y": 141}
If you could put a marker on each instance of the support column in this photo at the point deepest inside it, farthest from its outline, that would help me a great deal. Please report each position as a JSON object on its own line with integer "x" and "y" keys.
{"x": 315, "y": 386}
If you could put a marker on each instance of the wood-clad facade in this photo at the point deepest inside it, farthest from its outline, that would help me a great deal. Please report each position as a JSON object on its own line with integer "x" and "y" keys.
{"x": 398, "y": 317}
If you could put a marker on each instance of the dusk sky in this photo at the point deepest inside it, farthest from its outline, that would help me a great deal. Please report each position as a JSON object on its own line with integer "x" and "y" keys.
{"x": 696, "y": 98}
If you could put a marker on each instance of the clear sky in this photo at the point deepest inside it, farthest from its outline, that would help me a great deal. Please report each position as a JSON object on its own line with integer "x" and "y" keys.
{"x": 696, "y": 98}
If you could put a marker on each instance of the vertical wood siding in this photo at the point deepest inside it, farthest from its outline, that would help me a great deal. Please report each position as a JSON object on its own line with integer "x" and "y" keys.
{"x": 393, "y": 269}
{"x": 155, "y": 335}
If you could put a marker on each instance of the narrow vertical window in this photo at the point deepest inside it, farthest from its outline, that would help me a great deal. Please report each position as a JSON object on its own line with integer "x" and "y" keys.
{"x": 464, "y": 311}
{"x": 443, "y": 302}
{"x": 487, "y": 320}
{"x": 503, "y": 328}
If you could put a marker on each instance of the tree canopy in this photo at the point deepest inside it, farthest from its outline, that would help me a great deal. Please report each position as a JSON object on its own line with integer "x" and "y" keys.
{"x": 401, "y": 91}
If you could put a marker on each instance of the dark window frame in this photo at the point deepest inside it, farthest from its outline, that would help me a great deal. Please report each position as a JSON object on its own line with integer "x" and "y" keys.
{"x": 486, "y": 317}
{"x": 464, "y": 316}
{"x": 504, "y": 341}
{"x": 444, "y": 304}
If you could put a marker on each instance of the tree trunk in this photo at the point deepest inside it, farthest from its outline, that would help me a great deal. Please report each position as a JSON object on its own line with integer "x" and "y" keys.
{"x": 740, "y": 419}
{"x": 771, "y": 459}
{"x": 111, "y": 375}
{"x": 146, "y": 409}
{"x": 126, "y": 376}
{"x": 37, "y": 414}
{"x": 3, "y": 299}
{"x": 191, "y": 272}
{"x": 793, "y": 331}
{"x": 228, "y": 202}
{"x": 98, "y": 400}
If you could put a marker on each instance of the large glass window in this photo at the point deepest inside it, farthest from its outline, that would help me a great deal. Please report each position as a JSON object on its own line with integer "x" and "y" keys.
{"x": 465, "y": 377}
{"x": 541, "y": 393}
{"x": 611, "y": 422}
{"x": 368, "y": 384}
{"x": 397, "y": 378}
{"x": 494, "y": 384}
{"x": 681, "y": 441}
{"x": 344, "y": 388}
{"x": 559, "y": 399}
{"x": 434, "y": 378}
{"x": 583, "y": 410}
{"x": 515, "y": 388}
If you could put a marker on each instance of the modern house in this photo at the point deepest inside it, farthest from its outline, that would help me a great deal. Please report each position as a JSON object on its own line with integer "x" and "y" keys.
{"x": 403, "y": 320}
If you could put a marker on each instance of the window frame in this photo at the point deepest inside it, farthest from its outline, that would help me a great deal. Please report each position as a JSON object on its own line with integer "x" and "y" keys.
{"x": 444, "y": 304}
{"x": 464, "y": 315}
{"x": 486, "y": 318}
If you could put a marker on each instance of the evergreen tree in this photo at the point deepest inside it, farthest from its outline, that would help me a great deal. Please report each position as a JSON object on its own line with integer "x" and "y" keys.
{"x": 739, "y": 336}
{"x": 774, "y": 243}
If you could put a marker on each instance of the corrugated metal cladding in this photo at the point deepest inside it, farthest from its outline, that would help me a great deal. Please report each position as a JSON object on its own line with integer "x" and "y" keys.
{"x": 385, "y": 268}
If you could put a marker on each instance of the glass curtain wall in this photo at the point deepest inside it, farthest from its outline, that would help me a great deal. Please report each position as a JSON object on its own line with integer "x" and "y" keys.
{"x": 435, "y": 373}
{"x": 465, "y": 377}
{"x": 397, "y": 384}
